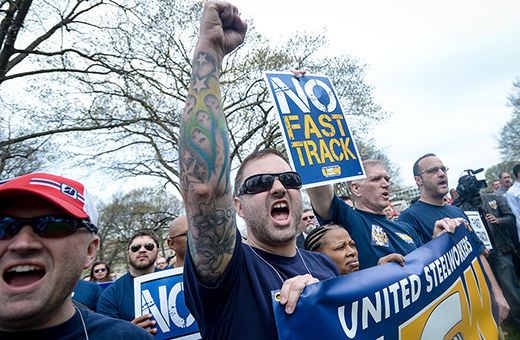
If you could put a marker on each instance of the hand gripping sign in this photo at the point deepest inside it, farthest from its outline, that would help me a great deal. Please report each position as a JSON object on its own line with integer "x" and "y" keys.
{"x": 318, "y": 140}
{"x": 440, "y": 293}
{"x": 162, "y": 295}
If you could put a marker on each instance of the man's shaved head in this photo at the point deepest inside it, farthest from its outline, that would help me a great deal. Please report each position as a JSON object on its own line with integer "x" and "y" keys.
{"x": 179, "y": 226}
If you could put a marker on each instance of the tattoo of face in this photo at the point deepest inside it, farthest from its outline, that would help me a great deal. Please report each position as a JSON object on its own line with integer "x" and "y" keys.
{"x": 204, "y": 159}
{"x": 205, "y": 133}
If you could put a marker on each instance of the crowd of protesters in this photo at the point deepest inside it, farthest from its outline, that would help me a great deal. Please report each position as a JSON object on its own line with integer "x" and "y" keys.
{"x": 49, "y": 225}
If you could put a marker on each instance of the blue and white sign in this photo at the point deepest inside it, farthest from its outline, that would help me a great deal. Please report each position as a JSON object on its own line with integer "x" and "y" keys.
{"x": 440, "y": 293}
{"x": 316, "y": 134}
{"x": 162, "y": 295}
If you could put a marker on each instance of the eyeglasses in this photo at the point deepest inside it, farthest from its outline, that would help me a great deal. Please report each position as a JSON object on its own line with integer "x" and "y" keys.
{"x": 434, "y": 170}
{"x": 44, "y": 226}
{"x": 305, "y": 218}
{"x": 148, "y": 246}
{"x": 99, "y": 270}
{"x": 183, "y": 234}
{"x": 263, "y": 182}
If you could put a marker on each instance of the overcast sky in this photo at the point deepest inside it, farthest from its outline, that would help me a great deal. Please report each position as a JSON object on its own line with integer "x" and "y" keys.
{"x": 443, "y": 69}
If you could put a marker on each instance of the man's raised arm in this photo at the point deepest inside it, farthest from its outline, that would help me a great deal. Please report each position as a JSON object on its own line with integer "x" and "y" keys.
{"x": 321, "y": 199}
{"x": 204, "y": 150}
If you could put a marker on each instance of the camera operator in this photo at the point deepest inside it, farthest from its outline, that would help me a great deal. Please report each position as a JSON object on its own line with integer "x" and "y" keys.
{"x": 498, "y": 220}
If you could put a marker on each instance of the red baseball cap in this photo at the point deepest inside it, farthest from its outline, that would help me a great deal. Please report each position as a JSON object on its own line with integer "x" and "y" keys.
{"x": 65, "y": 193}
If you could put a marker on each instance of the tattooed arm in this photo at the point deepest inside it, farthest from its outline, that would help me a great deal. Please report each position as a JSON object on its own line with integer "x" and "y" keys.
{"x": 204, "y": 150}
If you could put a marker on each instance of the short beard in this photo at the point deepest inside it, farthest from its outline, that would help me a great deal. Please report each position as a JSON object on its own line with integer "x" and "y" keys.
{"x": 257, "y": 225}
{"x": 309, "y": 227}
{"x": 142, "y": 266}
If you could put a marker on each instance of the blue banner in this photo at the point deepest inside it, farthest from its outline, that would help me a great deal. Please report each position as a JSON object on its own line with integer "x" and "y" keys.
{"x": 316, "y": 134}
{"x": 162, "y": 295}
{"x": 440, "y": 293}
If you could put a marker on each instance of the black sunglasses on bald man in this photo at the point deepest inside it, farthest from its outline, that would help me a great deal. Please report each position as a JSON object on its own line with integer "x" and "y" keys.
{"x": 264, "y": 182}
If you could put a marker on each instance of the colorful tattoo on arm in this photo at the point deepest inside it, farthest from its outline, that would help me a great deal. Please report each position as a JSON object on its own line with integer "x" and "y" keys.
{"x": 204, "y": 173}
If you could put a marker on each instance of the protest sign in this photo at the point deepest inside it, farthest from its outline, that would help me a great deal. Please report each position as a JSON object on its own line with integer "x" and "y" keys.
{"x": 440, "y": 293}
{"x": 162, "y": 295}
{"x": 478, "y": 226}
{"x": 316, "y": 134}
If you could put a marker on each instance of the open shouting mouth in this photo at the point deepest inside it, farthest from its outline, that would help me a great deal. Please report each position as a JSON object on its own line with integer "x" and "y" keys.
{"x": 23, "y": 276}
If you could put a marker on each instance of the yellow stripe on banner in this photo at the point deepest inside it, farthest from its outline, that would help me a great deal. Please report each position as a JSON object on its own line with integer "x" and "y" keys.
{"x": 456, "y": 312}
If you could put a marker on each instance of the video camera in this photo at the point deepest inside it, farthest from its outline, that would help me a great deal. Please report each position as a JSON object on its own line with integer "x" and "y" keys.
{"x": 469, "y": 186}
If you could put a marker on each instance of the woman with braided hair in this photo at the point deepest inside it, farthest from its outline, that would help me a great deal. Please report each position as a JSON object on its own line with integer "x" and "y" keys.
{"x": 335, "y": 242}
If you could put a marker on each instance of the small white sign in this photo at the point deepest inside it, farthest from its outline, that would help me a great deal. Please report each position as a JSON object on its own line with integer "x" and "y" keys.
{"x": 478, "y": 227}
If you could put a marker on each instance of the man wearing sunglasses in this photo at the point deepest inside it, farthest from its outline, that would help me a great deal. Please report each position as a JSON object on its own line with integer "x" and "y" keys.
{"x": 307, "y": 224}
{"x": 177, "y": 241}
{"x": 117, "y": 301}
{"x": 228, "y": 283}
{"x": 47, "y": 237}
{"x": 431, "y": 176}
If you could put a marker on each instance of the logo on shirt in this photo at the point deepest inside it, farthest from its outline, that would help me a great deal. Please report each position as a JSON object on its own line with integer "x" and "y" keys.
{"x": 468, "y": 226}
{"x": 406, "y": 238}
{"x": 493, "y": 204}
{"x": 379, "y": 237}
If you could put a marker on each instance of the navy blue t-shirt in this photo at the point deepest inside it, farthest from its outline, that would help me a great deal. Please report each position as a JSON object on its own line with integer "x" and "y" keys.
{"x": 422, "y": 216}
{"x": 87, "y": 293}
{"x": 97, "y": 327}
{"x": 117, "y": 301}
{"x": 239, "y": 306}
{"x": 375, "y": 235}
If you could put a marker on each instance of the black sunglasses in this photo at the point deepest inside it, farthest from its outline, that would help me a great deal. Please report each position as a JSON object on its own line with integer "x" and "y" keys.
{"x": 263, "y": 182}
{"x": 44, "y": 226}
{"x": 183, "y": 234}
{"x": 99, "y": 270}
{"x": 148, "y": 246}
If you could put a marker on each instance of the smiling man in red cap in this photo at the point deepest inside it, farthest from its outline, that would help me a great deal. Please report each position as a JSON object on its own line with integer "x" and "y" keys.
{"x": 47, "y": 237}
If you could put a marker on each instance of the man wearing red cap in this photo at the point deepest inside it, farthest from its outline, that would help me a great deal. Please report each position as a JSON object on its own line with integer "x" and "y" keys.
{"x": 47, "y": 237}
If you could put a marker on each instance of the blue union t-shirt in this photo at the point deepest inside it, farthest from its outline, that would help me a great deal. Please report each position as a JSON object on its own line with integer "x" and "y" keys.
{"x": 87, "y": 293}
{"x": 117, "y": 301}
{"x": 374, "y": 234}
{"x": 239, "y": 306}
{"x": 422, "y": 216}
{"x": 96, "y": 327}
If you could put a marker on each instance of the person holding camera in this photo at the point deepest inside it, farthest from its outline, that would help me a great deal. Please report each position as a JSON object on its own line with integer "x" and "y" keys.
{"x": 499, "y": 220}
